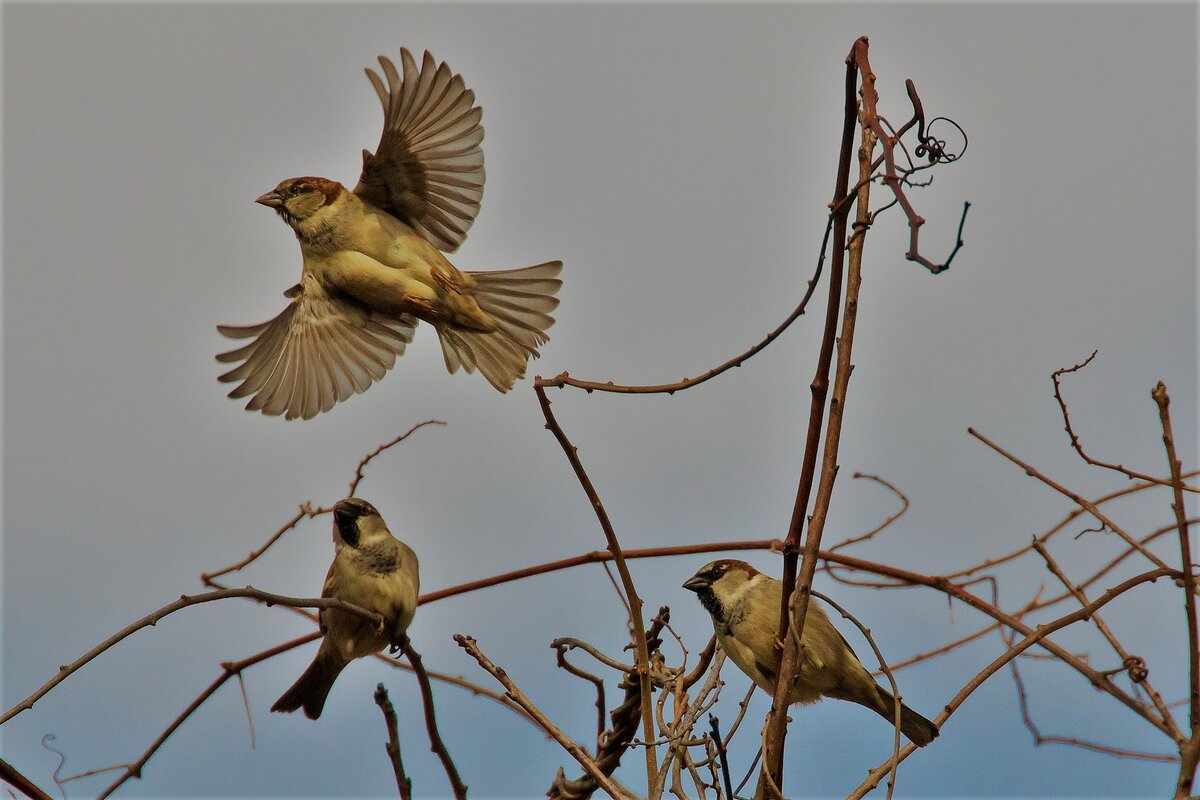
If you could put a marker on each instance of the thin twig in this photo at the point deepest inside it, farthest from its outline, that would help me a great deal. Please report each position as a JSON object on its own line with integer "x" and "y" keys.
{"x": 1116, "y": 645}
{"x": 1075, "y": 497}
{"x": 403, "y": 782}
{"x": 896, "y": 697}
{"x": 871, "y": 533}
{"x": 435, "y": 738}
{"x": 184, "y": 601}
{"x": 228, "y": 670}
{"x": 358, "y": 472}
{"x": 1078, "y": 446}
{"x": 572, "y": 747}
{"x": 1189, "y": 752}
{"x": 564, "y": 379}
{"x": 1031, "y": 637}
{"x": 1039, "y": 738}
{"x": 560, "y": 648}
{"x": 10, "y": 775}
{"x": 631, "y": 595}
{"x": 306, "y": 510}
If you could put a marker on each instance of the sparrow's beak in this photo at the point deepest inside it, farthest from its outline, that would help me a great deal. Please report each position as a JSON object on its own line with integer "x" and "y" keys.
{"x": 345, "y": 520}
{"x": 695, "y": 583}
{"x": 271, "y": 199}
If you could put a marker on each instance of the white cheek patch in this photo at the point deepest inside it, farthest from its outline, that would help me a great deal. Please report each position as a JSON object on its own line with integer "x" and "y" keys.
{"x": 737, "y": 594}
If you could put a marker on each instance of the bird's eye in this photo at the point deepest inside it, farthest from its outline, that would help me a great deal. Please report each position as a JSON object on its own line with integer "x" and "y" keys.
{"x": 294, "y": 189}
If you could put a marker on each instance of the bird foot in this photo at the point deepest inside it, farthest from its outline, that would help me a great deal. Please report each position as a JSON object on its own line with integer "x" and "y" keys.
{"x": 443, "y": 280}
{"x": 419, "y": 303}
{"x": 398, "y": 645}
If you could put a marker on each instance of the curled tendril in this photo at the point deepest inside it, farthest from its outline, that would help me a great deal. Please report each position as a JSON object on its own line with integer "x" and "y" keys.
{"x": 62, "y": 760}
{"x": 1136, "y": 667}
{"x": 934, "y": 148}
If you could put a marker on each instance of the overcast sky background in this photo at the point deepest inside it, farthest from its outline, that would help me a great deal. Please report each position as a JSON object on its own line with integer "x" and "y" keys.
{"x": 678, "y": 159}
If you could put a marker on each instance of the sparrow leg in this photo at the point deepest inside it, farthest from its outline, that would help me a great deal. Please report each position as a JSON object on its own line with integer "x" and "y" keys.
{"x": 399, "y": 645}
{"x": 443, "y": 280}
{"x": 421, "y": 303}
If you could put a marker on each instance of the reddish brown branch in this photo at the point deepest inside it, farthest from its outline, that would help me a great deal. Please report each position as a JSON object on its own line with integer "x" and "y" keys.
{"x": 306, "y": 510}
{"x": 1078, "y": 593}
{"x": 1031, "y": 637}
{"x": 572, "y": 747}
{"x": 1189, "y": 751}
{"x": 1075, "y": 497}
{"x": 874, "y": 531}
{"x": 1039, "y": 738}
{"x": 614, "y": 547}
{"x": 1078, "y": 446}
{"x": 892, "y": 177}
{"x": 228, "y": 670}
{"x": 595, "y": 557}
{"x": 403, "y": 782}
{"x": 183, "y": 602}
{"x": 564, "y": 379}
{"x": 10, "y": 775}
{"x": 435, "y": 738}
{"x": 358, "y": 472}
{"x": 794, "y": 604}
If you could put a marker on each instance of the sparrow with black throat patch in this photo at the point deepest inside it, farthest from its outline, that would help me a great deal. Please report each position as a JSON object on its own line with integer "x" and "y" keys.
{"x": 374, "y": 263}
{"x": 373, "y": 570}
{"x": 744, "y": 606}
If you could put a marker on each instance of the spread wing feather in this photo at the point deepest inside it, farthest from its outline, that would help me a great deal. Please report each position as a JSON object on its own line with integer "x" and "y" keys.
{"x": 318, "y": 351}
{"x": 428, "y": 167}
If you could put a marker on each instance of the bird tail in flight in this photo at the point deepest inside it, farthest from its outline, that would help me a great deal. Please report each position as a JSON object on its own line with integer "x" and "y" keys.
{"x": 520, "y": 300}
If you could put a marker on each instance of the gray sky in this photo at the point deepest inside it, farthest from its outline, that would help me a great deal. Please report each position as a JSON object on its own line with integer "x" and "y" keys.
{"x": 678, "y": 159}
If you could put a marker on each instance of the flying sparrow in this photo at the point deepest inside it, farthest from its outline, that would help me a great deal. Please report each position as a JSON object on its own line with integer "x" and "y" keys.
{"x": 374, "y": 570}
{"x": 744, "y": 605}
{"x": 373, "y": 263}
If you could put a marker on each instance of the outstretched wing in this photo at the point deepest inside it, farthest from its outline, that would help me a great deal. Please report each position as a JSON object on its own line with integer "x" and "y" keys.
{"x": 318, "y": 351}
{"x": 428, "y": 168}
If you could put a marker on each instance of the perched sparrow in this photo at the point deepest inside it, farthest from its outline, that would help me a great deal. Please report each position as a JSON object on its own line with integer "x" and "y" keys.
{"x": 374, "y": 570}
{"x": 372, "y": 266}
{"x": 744, "y": 605}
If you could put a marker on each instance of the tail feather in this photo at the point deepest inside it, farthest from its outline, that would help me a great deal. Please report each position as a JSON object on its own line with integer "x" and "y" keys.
{"x": 311, "y": 688}
{"x": 519, "y": 300}
{"x": 915, "y": 727}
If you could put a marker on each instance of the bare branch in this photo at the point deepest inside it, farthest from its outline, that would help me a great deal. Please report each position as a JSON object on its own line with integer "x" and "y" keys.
{"x": 794, "y": 604}
{"x": 576, "y": 751}
{"x": 1031, "y": 637}
{"x": 631, "y": 595}
{"x": 1117, "y": 647}
{"x": 1190, "y": 751}
{"x": 10, "y": 775}
{"x": 871, "y": 533}
{"x": 1078, "y": 499}
{"x": 228, "y": 670}
{"x": 403, "y": 782}
{"x": 184, "y": 602}
{"x": 435, "y": 738}
{"x": 1078, "y": 446}
{"x": 358, "y": 472}
{"x": 564, "y": 379}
